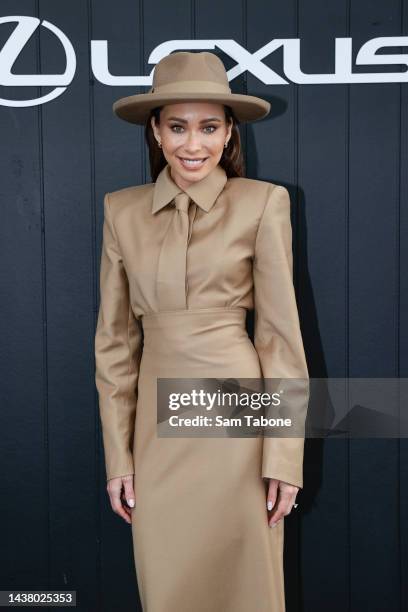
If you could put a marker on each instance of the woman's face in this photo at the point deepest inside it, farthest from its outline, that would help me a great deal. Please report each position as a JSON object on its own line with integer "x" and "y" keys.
{"x": 192, "y": 131}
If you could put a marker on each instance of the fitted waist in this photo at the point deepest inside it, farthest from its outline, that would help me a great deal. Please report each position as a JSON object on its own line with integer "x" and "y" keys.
{"x": 199, "y": 342}
{"x": 199, "y": 331}
{"x": 193, "y": 317}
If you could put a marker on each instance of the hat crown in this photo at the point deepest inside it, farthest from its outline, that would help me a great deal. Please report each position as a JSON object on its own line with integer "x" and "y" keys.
{"x": 186, "y": 71}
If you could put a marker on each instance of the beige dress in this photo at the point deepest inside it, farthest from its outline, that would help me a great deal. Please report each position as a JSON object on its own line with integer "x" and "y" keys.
{"x": 201, "y": 538}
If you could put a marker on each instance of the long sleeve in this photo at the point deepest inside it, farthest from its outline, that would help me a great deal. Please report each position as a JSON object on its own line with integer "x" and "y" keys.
{"x": 277, "y": 335}
{"x": 118, "y": 348}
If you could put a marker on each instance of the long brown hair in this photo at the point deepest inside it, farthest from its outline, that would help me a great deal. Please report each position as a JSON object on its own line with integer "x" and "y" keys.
{"x": 231, "y": 160}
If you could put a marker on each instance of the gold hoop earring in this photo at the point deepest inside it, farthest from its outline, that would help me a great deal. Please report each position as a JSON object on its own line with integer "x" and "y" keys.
{"x": 225, "y": 145}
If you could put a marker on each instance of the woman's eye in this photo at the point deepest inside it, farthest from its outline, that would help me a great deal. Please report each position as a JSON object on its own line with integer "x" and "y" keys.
{"x": 176, "y": 128}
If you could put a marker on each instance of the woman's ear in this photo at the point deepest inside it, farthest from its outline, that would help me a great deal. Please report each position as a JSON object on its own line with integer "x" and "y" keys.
{"x": 154, "y": 128}
{"x": 230, "y": 125}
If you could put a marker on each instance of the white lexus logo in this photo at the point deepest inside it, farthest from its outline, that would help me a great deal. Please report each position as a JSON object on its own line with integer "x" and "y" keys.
{"x": 25, "y": 28}
{"x": 245, "y": 61}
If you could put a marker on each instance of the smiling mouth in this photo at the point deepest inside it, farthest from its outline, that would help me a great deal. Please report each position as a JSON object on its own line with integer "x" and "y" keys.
{"x": 193, "y": 162}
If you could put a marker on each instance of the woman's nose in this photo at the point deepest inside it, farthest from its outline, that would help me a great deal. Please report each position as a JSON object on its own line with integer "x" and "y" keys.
{"x": 193, "y": 142}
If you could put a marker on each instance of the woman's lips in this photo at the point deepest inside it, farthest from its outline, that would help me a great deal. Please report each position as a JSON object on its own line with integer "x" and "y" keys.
{"x": 194, "y": 165}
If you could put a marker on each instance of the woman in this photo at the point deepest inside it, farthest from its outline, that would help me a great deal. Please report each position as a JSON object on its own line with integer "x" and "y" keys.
{"x": 183, "y": 259}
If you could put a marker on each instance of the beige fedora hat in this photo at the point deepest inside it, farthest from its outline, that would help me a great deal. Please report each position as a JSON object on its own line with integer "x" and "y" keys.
{"x": 190, "y": 76}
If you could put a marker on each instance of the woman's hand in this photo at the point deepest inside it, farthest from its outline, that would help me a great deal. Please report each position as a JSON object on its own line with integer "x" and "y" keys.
{"x": 280, "y": 503}
{"x": 122, "y": 500}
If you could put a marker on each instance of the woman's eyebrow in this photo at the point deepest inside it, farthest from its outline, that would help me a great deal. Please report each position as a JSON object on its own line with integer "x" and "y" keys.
{"x": 202, "y": 120}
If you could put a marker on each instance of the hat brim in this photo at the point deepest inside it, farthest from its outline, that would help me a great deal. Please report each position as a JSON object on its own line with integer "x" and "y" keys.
{"x": 136, "y": 108}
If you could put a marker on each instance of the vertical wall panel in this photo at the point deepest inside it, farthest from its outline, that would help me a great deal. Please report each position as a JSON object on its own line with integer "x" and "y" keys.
{"x": 25, "y": 495}
{"x": 67, "y": 148}
{"x": 373, "y": 323}
{"x": 402, "y": 306}
{"x": 322, "y": 181}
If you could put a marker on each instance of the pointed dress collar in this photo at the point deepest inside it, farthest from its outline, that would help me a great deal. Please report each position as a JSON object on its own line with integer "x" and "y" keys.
{"x": 204, "y": 193}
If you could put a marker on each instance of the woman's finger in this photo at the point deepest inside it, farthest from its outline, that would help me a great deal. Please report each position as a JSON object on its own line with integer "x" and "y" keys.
{"x": 114, "y": 489}
{"x": 272, "y": 493}
{"x": 284, "y": 506}
{"x": 118, "y": 507}
{"x": 129, "y": 493}
{"x": 125, "y": 504}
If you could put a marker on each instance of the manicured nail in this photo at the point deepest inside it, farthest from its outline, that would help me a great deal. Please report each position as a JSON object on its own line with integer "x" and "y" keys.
{"x": 269, "y": 505}
{"x": 273, "y": 524}
{"x": 131, "y": 503}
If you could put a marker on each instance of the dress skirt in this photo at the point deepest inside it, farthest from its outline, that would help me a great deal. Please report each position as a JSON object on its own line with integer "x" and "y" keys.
{"x": 200, "y": 530}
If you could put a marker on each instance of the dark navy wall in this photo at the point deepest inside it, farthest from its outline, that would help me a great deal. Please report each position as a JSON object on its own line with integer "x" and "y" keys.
{"x": 342, "y": 152}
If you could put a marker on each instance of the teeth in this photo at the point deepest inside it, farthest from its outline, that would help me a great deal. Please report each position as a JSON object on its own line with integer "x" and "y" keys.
{"x": 192, "y": 162}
